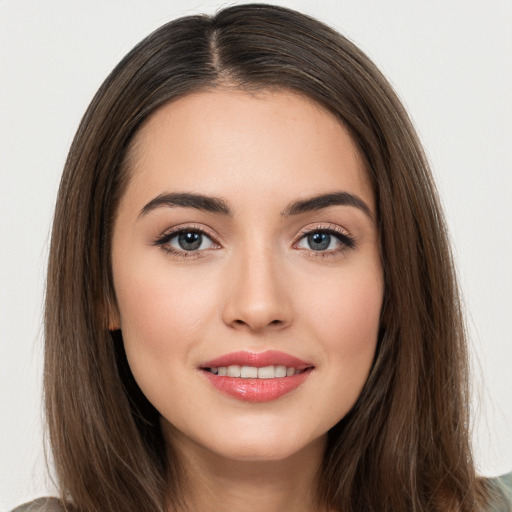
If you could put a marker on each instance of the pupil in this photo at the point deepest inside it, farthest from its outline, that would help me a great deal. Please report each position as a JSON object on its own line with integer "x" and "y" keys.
{"x": 189, "y": 241}
{"x": 319, "y": 241}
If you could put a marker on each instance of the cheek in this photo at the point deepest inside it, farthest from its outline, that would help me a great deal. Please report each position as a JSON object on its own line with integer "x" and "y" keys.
{"x": 352, "y": 301}
{"x": 161, "y": 312}
{"x": 164, "y": 316}
{"x": 347, "y": 319}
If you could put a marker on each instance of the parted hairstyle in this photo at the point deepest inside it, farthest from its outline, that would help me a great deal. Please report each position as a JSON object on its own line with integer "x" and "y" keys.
{"x": 404, "y": 446}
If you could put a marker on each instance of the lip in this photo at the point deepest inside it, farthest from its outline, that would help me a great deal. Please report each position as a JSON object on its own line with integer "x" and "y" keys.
{"x": 257, "y": 390}
{"x": 257, "y": 359}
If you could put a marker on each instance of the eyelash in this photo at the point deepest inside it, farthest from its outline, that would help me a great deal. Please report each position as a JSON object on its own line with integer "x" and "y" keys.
{"x": 165, "y": 238}
{"x": 347, "y": 242}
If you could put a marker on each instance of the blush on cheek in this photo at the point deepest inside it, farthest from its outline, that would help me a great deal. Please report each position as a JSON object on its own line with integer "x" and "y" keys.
{"x": 351, "y": 322}
{"x": 155, "y": 310}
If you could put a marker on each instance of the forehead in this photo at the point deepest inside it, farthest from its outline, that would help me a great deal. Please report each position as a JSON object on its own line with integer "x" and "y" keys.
{"x": 223, "y": 141}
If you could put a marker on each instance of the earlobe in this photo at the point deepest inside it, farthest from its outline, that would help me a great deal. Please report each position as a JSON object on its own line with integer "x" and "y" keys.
{"x": 113, "y": 327}
{"x": 114, "y": 322}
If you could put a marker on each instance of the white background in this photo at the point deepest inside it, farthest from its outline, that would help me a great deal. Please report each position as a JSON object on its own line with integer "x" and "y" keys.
{"x": 451, "y": 63}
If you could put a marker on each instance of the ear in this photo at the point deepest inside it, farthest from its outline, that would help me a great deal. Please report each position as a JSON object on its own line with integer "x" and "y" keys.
{"x": 114, "y": 321}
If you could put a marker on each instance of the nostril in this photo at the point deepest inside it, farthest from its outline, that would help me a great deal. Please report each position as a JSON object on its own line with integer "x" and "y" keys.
{"x": 252, "y": 326}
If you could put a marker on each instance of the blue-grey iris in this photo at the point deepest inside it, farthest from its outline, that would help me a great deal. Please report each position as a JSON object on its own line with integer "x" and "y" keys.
{"x": 190, "y": 241}
{"x": 319, "y": 241}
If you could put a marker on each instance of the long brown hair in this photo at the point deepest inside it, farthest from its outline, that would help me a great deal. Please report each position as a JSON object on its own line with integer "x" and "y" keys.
{"x": 405, "y": 444}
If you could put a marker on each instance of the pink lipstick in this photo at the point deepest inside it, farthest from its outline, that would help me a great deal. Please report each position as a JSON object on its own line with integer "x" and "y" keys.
{"x": 256, "y": 377}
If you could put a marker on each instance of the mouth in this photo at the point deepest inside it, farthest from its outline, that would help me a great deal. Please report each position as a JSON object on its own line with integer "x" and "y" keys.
{"x": 254, "y": 372}
{"x": 256, "y": 377}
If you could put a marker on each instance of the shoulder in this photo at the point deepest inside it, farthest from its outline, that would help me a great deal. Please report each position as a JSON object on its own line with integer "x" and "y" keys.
{"x": 501, "y": 488}
{"x": 41, "y": 505}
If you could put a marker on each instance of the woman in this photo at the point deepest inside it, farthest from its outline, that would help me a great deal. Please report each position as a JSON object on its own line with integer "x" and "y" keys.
{"x": 251, "y": 302}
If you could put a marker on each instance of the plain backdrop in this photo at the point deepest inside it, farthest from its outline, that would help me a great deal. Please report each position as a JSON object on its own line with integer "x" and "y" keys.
{"x": 451, "y": 63}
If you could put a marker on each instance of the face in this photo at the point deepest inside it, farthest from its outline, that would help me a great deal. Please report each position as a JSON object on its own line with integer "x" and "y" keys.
{"x": 247, "y": 271}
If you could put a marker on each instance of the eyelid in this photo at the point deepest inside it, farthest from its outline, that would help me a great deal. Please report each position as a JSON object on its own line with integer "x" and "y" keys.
{"x": 333, "y": 228}
{"x": 200, "y": 228}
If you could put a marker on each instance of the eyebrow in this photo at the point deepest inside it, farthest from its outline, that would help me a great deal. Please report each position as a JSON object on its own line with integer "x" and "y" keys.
{"x": 324, "y": 201}
{"x": 218, "y": 205}
{"x": 188, "y": 200}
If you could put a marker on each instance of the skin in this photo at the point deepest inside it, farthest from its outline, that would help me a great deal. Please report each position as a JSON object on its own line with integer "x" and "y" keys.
{"x": 257, "y": 286}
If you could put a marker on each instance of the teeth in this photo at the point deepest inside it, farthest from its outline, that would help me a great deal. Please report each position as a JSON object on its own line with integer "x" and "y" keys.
{"x": 280, "y": 371}
{"x": 234, "y": 370}
{"x": 252, "y": 372}
{"x": 267, "y": 372}
{"x": 249, "y": 372}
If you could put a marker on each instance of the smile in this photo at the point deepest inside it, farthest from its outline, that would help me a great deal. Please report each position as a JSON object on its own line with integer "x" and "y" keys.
{"x": 256, "y": 377}
{"x": 253, "y": 372}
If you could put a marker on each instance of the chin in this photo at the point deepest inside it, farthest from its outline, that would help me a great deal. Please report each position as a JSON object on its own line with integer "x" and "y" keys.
{"x": 259, "y": 442}
{"x": 260, "y": 450}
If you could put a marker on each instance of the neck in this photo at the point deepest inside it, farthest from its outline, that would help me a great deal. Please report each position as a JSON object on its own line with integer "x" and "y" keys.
{"x": 214, "y": 483}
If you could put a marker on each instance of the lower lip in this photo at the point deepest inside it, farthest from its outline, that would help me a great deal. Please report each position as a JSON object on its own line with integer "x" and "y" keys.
{"x": 257, "y": 390}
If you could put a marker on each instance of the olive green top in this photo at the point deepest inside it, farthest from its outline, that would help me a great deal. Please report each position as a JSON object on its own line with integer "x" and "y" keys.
{"x": 41, "y": 505}
{"x": 502, "y": 489}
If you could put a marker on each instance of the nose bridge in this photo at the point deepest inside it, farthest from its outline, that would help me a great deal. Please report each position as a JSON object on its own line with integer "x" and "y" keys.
{"x": 257, "y": 296}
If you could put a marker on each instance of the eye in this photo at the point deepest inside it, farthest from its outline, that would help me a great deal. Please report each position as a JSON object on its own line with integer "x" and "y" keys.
{"x": 185, "y": 241}
{"x": 325, "y": 240}
{"x": 320, "y": 241}
{"x": 190, "y": 241}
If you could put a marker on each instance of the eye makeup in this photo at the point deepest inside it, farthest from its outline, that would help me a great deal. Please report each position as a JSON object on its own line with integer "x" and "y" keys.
{"x": 193, "y": 241}
{"x": 187, "y": 241}
{"x": 324, "y": 240}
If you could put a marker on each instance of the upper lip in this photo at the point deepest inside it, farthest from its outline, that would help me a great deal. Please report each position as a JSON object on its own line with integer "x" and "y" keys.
{"x": 257, "y": 359}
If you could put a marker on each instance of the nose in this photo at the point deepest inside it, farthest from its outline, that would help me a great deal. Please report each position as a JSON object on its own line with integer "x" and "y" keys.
{"x": 257, "y": 295}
